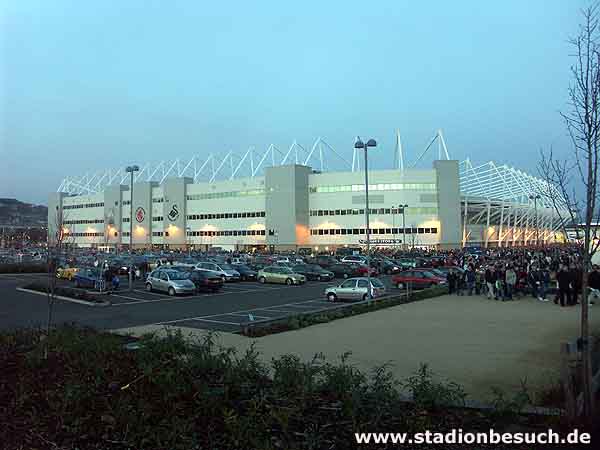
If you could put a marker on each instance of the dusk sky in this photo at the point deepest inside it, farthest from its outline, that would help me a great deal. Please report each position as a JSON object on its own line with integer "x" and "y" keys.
{"x": 86, "y": 85}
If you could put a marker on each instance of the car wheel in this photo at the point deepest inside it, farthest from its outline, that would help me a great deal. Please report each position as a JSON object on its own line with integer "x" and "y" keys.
{"x": 148, "y": 287}
{"x": 223, "y": 278}
{"x": 400, "y": 285}
{"x": 171, "y": 291}
{"x": 262, "y": 280}
{"x": 318, "y": 277}
{"x": 289, "y": 282}
{"x": 331, "y": 297}
{"x": 365, "y": 297}
{"x": 345, "y": 275}
{"x": 389, "y": 271}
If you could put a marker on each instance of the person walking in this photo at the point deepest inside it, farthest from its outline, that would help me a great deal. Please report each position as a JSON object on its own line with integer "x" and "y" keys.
{"x": 490, "y": 281}
{"x": 470, "y": 279}
{"x": 594, "y": 284}
{"x": 563, "y": 279}
{"x": 511, "y": 281}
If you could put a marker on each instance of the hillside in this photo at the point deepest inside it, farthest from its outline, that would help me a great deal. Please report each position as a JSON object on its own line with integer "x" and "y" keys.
{"x": 16, "y": 213}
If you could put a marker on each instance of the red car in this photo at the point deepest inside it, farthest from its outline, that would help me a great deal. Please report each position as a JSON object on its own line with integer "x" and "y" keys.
{"x": 417, "y": 279}
{"x": 362, "y": 269}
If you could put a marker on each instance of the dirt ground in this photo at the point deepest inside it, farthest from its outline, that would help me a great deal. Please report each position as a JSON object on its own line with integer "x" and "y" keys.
{"x": 473, "y": 341}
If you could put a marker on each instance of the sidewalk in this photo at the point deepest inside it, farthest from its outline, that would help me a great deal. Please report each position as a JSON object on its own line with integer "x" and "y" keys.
{"x": 473, "y": 341}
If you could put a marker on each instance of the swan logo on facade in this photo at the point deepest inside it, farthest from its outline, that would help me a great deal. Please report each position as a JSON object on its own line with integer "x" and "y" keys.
{"x": 140, "y": 214}
{"x": 173, "y": 214}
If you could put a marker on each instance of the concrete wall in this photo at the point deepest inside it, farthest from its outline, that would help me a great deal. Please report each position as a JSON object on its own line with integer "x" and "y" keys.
{"x": 286, "y": 205}
{"x": 448, "y": 196}
{"x": 55, "y": 204}
{"x": 174, "y": 211}
{"x": 113, "y": 219}
{"x": 142, "y": 209}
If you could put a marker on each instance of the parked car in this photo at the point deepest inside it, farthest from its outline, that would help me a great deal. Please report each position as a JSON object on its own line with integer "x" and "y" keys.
{"x": 170, "y": 281}
{"x": 324, "y": 261}
{"x": 66, "y": 273}
{"x": 355, "y": 289}
{"x": 313, "y": 272}
{"x": 354, "y": 259}
{"x": 205, "y": 280}
{"x": 246, "y": 273}
{"x": 417, "y": 279}
{"x": 386, "y": 266}
{"x": 446, "y": 269}
{"x": 225, "y": 271}
{"x": 341, "y": 270}
{"x": 275, "y": 274}
{"x": 406, "y": 263}
{"x": 87, "y": 278}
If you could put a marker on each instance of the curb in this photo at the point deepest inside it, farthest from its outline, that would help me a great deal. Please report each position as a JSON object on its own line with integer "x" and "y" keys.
{"x": 67, "y": 299}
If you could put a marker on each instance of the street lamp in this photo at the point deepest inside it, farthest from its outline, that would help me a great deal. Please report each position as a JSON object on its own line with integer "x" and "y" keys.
{"x": 535, "y": 198}
{"x": 131, "y": 170}
{"x": 365, "y": 146}
{"x": 401, "y": 211}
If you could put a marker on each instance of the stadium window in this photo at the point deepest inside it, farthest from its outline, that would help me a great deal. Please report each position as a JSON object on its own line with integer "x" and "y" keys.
{"x": 434, "y": 230}
{"x": 427, "y": 230}
{"x": 388, "y": 231}
{"x": 320, "y": 231}
{"x": 388, "y": 211}
{"x": 420, "y": 230}
{"x": 320, "y": 212}
{"x": 343, "y": 231}
{"x": 362, "y": 211}
{"x": 338, "y": 231}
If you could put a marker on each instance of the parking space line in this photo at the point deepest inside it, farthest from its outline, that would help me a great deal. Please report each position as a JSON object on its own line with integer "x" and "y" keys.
{"x": 301, "y": 306}
{"x": 246, "y": 315}
{"x": 212, "y": 321}
{"x": 148, "y": 292}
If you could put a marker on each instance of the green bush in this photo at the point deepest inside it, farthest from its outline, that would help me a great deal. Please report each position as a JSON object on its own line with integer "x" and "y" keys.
{"x": 176, "y": 394}
{"x": 24, "y": 268}
{"x": 65, "y": 292}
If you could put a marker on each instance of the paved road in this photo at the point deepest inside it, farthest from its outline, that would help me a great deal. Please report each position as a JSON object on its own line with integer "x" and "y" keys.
{"x": 236, "y": 305}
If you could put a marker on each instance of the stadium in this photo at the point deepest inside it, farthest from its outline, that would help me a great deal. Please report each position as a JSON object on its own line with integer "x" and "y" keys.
{"x": 289, "y": 200}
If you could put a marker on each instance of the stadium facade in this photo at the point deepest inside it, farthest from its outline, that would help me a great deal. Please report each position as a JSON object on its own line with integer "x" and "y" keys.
{"x": 284, "y": 203}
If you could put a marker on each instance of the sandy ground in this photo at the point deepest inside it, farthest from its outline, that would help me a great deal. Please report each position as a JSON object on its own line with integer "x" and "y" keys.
{"x": 476, "y": 342}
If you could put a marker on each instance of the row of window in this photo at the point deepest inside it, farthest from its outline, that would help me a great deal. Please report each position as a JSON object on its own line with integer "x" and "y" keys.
{"x": 126, "y": 202}
{"x": 126, "y": 219}
{"x": 158, "y": 200}
{"x": 157, "y": 233}
{"x": 213, "y": 195}
{"x": 227, "y": 233}
{"x": 374, "y": 187}
{"x": 328, "y": 231}
{"x": 83, "y": 222}
{"x": 85, "y": 205}
{"x": 237, "y": 215}
{"x": 380, "y": 211}
{"x": 157, "y": 219}
{"x": 86, "y": 234}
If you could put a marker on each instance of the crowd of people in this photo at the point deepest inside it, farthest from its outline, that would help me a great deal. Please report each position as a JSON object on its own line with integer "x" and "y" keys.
{"x": 552, "y": 273}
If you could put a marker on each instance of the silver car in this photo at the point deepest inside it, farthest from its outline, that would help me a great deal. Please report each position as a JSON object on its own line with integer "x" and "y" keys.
{"x": 170, "y": 281}
{"x": 225, "y": 271}
{"x": 355, "y": 289}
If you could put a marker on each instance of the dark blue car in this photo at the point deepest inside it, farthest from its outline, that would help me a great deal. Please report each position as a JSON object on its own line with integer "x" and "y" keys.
{"x": 87, "y": 278}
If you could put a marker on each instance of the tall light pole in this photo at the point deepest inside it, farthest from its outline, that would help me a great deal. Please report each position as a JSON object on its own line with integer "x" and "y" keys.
{"x": 130, "y": 170}
{"x": 535, "y": 198}
{"x": 401, "y": 209}
{"x": 365, "y": 146}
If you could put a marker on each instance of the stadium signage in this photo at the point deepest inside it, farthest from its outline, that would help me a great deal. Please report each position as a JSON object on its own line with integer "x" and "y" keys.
{"x": 173, "y": 214}
{"x": 381, "y": 241}
{"x": 140, "y": 214}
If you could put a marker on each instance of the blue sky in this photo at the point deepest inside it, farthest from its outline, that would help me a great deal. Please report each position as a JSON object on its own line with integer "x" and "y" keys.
{"x": 96, "y": 84}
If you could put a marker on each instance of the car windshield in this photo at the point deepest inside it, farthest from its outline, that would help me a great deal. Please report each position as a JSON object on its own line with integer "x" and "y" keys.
{"x": 226, "y": 267}
{"x": 429, "y": 275}
{"x": 175, "y": 275}
{"x": 377, "y": 283}
{"x": 316, "y": 268}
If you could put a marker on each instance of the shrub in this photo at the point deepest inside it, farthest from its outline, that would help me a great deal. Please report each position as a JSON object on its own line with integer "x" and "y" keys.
{"x": 429, "y": 394}
{"x": 24, "y": 268}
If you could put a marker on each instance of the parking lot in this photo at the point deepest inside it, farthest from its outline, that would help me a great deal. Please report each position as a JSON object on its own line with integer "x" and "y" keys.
{"x": 235, "y": 306}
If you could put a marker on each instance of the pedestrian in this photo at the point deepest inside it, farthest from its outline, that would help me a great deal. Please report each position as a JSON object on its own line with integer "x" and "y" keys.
{"x": 563, "y": 278}
{"x": 115, "y": 282}
{"x": 594, "y": 284}
{"x": 451, "y": 281}
{"x": 470, "y": 279}
{"x": 511, "y": 281}
{"x": 490, "y": 281}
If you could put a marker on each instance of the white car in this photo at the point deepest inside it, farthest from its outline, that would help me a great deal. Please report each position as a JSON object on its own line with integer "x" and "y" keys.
{"x": 354, "y": 259}
{"x": 225, "y": 271}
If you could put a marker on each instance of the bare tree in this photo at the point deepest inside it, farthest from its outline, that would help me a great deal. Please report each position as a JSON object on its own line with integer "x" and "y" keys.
{"x": 583, "y": 124}
{"x": 57, "y": 245}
